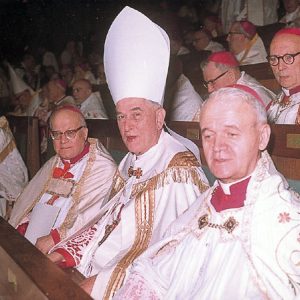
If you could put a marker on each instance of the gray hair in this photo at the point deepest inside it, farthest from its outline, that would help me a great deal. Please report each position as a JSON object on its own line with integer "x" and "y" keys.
{"x": 221, "y": 67}
{"x": 224, "y": 94}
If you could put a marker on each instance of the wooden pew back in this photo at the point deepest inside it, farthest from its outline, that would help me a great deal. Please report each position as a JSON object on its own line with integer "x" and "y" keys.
{"x": 284, "y": 145}
{"x": 25, "y": 273}
{"x": 26, "y": 133}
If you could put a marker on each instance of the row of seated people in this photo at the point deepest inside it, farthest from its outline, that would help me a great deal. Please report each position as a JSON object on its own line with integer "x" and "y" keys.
{"x": 85, "y": 212}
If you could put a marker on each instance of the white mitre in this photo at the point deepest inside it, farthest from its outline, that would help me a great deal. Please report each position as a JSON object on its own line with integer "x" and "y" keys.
{"x": 17, "y": 84}
{"x": 136, "y": 57}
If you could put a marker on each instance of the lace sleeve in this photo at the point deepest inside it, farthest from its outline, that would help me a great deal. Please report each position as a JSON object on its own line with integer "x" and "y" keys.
{"x": 136, "y": 288}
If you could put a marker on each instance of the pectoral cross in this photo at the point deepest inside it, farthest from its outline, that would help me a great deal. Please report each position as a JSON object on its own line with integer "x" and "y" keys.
{"x": 137, "y": 173}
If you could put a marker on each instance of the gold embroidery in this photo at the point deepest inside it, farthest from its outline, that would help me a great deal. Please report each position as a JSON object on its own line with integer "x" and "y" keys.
{"x": 184, "y": 159}
{"x": 144, "y": 215}
{"x": 117, "y": 184}
{"x": 9, "y": 148}
{"x": 73, "y": 211}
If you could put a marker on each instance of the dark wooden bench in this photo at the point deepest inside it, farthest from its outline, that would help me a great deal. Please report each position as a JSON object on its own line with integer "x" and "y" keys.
{"x": 25, "y": 273}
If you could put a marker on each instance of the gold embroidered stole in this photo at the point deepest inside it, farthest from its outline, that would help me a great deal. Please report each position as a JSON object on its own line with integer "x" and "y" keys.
{"x": 181, "y": 169}
{"x": 11, "y": 145}
{"x": 248, "y": 47}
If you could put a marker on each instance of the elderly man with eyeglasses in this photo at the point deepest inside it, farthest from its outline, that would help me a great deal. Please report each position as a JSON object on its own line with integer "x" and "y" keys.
{"x": 221, "y": 69}
{"x": 69, "y": 189}
{"x": 284, "y": 59}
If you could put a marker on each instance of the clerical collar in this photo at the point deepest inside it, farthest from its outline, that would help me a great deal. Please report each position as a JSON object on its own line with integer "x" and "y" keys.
{"x": 227, "y": 187}
{"x": 292, "y": 91}
{"x": 80, "y": 155}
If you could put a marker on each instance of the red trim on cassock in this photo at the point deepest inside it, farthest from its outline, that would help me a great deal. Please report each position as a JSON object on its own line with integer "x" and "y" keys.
{"x": 69, "y": 260}
{"x": 55, "y": 236}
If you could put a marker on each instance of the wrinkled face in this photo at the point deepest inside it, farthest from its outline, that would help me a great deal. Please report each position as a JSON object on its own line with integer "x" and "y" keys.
{"x": 81, "y": 91}
{"x": 290, "y": 5}
{"x": 288, "y": 76}
{"x": 231, "y": 139}
{"x": 211, "y": 72}
{"x": 68, "y": 120}
{"x": 140, "y": 123}
{"x": 235, "y": 39}
{"x": 200, "y": 40}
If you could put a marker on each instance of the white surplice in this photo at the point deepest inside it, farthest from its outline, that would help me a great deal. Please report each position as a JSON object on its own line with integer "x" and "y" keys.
{"x": 93, "y": 175}
{"x": 250, "y": 252}
{"x": 13, "y": 172}
{"x": 171, "y": 179}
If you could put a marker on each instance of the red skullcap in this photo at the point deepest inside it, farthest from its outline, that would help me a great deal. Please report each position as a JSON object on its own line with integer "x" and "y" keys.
{"x": 291, "y": 30}
{"x": 225, "y": 58}
{"x": 249, "y": 28}
{"x": 249, "y": 90}
{"x": 71, "y": 108}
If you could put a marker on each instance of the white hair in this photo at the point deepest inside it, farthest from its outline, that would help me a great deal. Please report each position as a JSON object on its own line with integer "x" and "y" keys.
{"x": 224, "y": 94}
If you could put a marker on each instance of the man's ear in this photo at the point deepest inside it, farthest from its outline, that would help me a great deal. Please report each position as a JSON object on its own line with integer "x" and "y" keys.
{"x": 160, "y": 117}
{"x": 264, "y": 136}
{"x": 85, "y": 132}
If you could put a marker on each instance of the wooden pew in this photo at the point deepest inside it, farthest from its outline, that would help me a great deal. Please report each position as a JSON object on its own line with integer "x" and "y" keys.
{"x": 284, "y": 145}
{"x": 108, "y": 133}
{"x": 26, "y": 133}
{"x": 25, "y": 273}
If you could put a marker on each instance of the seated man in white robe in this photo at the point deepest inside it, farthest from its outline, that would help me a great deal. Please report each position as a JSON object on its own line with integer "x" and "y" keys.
{"x": 70, "y": 186}
{"x": 221, "y": 69}
{"x": 284, "y": 59}
{"x": 181, "y": 99}
{"x": 242, "y": 241}
{"x": 246, "y": 44}
{"x": 156, "y": 181}
{"x": 90, "y": 104}
{"x": 13, "y": 172}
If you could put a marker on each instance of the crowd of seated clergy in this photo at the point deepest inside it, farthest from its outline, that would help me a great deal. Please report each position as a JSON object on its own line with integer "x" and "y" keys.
{"x": 129, "y": 228}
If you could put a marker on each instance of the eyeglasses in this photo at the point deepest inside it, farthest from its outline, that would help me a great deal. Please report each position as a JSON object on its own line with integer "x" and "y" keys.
{"x": 69, "y": 134}
{"x": 212, "y": 81}
{"x": 287, "y": 59}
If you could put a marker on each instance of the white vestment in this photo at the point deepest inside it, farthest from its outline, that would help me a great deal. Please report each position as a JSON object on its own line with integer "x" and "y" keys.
{"x": 256, "y": 54}
{"x": 266, "y": 95}
{"x": 141, "y": 209}
{"x": 251, "y": 252}
{"x": 292, "y": 19}
{"x": 284, "y": 113}
{"x": 260, "y": 12}
{"x": 186, "y": 101}
{"x": 13, "y": 172}
{"x": 49, "y": 59}
{"x": 214, "y": 47}
{"x": 93, "y": 107}
{"x": 93, "y": 175}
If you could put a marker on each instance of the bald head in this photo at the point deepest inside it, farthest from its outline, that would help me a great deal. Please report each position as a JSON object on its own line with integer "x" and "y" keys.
{"x": 287, "y": 75}
{"x": 82, "y": 89}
